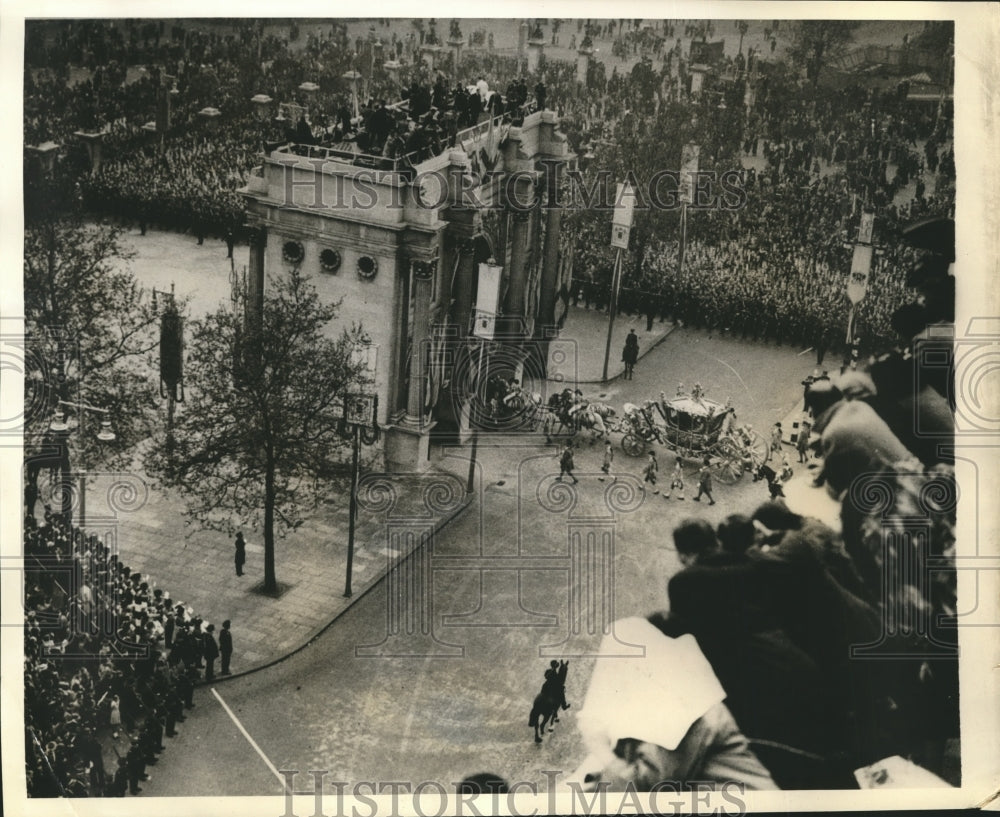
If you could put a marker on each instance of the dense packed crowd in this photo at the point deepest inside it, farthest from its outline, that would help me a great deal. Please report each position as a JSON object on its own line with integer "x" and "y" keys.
{"x": 183, "y": 173}
{"x": 107, "y": 652}
{"x": 777, "y": 266}
{"x": 110, "y": 664}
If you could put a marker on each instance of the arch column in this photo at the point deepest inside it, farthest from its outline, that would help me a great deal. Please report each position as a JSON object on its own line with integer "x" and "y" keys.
{"x": 255, "y": 278}
{"x": 407, "y": 443}
{"x": 422, "y": 273}
{"x": 517, "y": 280}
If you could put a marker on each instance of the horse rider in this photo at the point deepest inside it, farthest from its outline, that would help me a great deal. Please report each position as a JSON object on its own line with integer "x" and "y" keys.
{"x": 554, "y": 686}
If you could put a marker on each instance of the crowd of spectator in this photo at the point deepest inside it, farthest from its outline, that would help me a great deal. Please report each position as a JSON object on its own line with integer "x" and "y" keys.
{"x": 777, "y": 266}
{"x": 107, "y": 653}
{"x": 110, "y": 664}
{"x": 778, "y": 601}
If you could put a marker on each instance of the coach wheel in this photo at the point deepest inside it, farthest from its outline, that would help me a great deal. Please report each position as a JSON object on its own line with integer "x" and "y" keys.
{"x": 729, "y": 466}
{"x": 632, "y": 445}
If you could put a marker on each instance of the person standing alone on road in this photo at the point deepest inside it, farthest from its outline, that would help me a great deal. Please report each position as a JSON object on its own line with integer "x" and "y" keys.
{"x": 566, "y": 464}
{"x": 649, "y": 472}
{"x": 802, "y": 443}
{"x": 775, "y": 441}
{"x": 676, "y": 481}
{"x": 226, "y": 646}
{"x": 705, "y": 482}
{"x": 609, "y": 458}
{"x": 241, "y": 553}
{"x": 630, "y": 354}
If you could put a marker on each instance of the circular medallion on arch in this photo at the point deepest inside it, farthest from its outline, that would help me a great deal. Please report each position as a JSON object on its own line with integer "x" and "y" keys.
{"x": 367, "y": 267}
{"x": 329, "y": 260}
{"x": 293, "y": 252}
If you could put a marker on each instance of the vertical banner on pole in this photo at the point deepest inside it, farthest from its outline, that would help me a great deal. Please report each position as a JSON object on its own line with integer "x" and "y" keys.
{"x": 621, "y": 226}
{"x": 689, "y": 167}
{"x": 487, "y": 294}
{"x": 861, "y": 265}
{"x": 861, "y": 262}
{"x": 624, "y": 205}
{"x": 487, "y": 297}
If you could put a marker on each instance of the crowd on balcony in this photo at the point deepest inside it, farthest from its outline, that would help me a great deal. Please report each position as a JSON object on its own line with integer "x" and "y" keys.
{"x": 799, "y": 712}
{"x": 110, "y": 665}
{"x": 832, "y": 650}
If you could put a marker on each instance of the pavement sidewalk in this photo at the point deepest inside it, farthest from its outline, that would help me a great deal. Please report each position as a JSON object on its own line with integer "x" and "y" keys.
{"x": 578, "y": 354}
{"x": 197, "y": 567}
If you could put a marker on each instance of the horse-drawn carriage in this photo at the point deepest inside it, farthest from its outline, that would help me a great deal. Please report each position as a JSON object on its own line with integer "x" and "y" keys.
{"x": 508, "y": 405}
{"x": 695, "y": 427}
{"x": 568, "y": 412}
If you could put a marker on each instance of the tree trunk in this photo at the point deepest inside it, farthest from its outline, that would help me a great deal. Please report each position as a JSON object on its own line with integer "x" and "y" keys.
{"x": 270, "y": 582}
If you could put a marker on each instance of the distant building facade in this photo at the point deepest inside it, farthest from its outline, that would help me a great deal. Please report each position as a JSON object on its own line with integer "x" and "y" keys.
{"x": 402, "y": 246}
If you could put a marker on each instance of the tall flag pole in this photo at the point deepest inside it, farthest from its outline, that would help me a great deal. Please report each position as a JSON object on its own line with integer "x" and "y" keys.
{"x": 621, "y": 227}
{"x": 857, "y": 280}
{"x": 689, "y": 167}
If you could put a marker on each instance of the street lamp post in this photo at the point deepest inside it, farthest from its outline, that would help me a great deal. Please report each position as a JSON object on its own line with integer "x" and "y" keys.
{"x": 361, "y": 423}
{"x": 470, "y": 483}
{"x": 61, "y": 430}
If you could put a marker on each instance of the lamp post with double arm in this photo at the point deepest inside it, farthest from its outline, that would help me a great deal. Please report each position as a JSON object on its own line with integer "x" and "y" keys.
{"x": 60, "y": 431}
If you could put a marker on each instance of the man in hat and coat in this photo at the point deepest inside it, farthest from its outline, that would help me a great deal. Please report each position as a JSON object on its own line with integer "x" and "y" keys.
{"x": 211, "y": 652}
{"x": 226, "y": 646}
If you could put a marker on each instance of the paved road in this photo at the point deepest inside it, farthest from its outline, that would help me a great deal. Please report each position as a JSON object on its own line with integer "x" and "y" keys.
{"x": 499, "y": 606}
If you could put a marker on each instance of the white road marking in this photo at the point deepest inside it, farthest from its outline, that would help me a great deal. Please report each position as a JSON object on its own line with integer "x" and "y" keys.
{"x": 250, "y": 740}
{"x": 738, "y": 378}
{"x": 414, "y": 704}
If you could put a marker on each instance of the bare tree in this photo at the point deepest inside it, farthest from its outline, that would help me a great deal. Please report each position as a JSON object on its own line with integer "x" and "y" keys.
{"x": 815, "y": 42}
{"x": 258, "y": 442}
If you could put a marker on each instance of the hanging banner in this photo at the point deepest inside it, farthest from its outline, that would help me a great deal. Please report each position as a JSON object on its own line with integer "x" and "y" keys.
{"x": 621, "y": 223}
{"x": 364, "y": 359}
{"x": 487, "y": 294}
{"x": 861, "y": 264}
{"x": 689, "y": 166}
{"x": 436, "y": 366}
{"x": 484, "y": 325}
{"x": 866, "y": 228}
{"x": 697, "y": 81}
{"x": 619, "y": 236}
{"x": 624, "y": 205}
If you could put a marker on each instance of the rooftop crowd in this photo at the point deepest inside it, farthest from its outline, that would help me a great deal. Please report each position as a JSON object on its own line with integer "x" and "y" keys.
{"x": 110, "y": 664}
